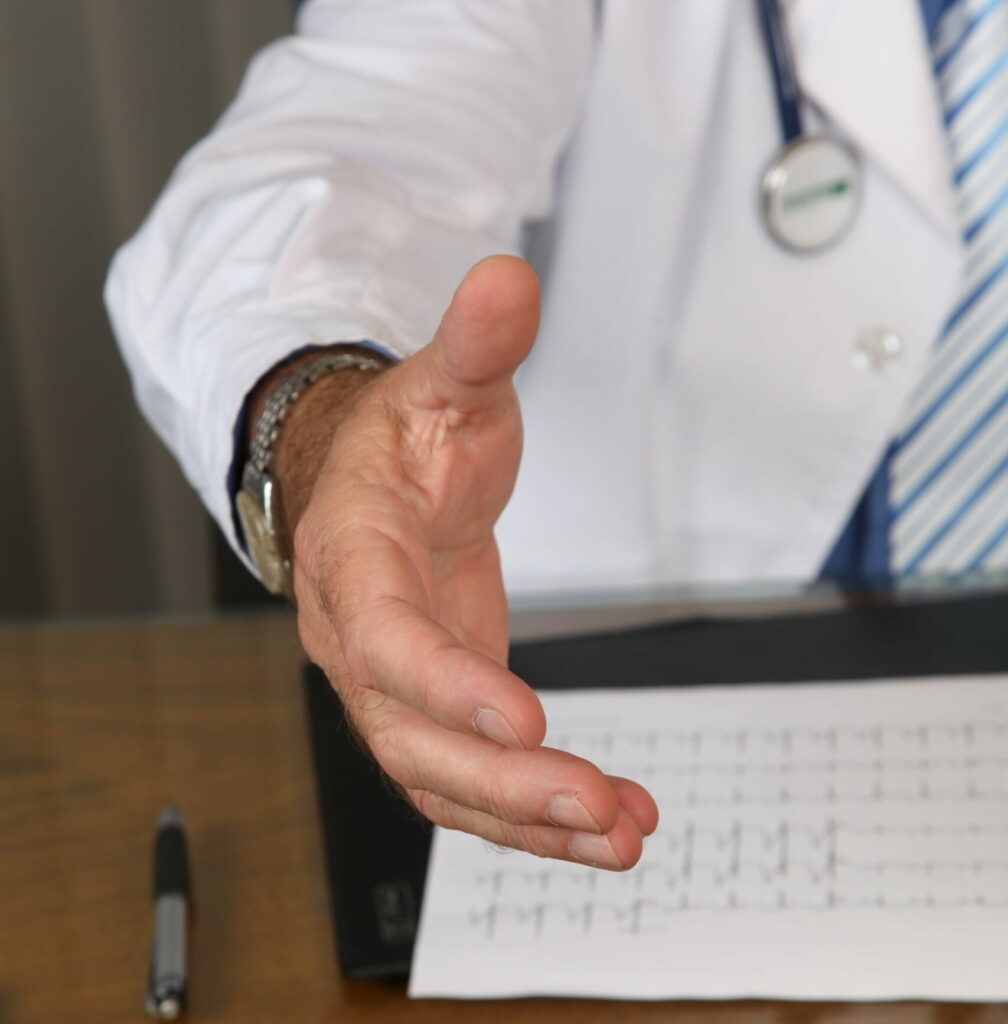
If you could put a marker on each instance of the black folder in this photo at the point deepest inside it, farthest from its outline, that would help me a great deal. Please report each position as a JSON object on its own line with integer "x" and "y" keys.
{"x": 376, "y": 847}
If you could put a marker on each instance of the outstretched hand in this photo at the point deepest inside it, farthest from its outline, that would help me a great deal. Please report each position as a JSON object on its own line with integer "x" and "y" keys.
{"x": 401, "y": 602}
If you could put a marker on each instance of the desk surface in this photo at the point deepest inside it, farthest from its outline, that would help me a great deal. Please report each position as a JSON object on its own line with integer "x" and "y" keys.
{"x": 100, "y": 726}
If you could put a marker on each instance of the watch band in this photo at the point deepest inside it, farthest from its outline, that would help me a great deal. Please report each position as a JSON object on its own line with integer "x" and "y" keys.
{"x": 288, "y": 391}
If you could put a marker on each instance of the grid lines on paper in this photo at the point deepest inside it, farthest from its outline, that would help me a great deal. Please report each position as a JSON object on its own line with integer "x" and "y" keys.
{"x": 887, "y": 815}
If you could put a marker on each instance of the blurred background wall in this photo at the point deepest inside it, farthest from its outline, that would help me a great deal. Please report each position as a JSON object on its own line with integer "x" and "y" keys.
{"x": 98, "y": 100}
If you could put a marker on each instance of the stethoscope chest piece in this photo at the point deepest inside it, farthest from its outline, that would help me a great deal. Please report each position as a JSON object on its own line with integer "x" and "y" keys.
{"x": 811, "y": 192}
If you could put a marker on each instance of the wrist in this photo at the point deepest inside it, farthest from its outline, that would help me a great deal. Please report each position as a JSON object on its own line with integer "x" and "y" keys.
{"x": 293, "y": 414}
{"x": 306, "y": 437}
{"x": 267, "y": 384}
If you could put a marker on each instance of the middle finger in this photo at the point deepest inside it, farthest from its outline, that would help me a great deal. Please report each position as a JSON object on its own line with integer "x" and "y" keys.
{"x": 521, "y": 787}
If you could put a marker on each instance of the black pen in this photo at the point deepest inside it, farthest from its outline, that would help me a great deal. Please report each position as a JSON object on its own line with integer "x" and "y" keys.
{"x": 166, "y": 982}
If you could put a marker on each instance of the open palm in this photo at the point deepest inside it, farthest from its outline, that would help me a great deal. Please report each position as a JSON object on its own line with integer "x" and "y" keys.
{"x": 400, "y": 597}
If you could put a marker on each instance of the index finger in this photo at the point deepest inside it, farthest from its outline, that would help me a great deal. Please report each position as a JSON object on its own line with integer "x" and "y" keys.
{"x": 392, "y": 646}
{"x": 375, "y": 610}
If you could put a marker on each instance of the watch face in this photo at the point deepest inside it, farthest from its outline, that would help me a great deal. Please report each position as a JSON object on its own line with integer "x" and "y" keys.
{"x": 262, "y": 543}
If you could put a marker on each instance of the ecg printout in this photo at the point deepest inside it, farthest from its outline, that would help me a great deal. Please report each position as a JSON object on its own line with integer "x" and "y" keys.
{"x": 827, "y": 841}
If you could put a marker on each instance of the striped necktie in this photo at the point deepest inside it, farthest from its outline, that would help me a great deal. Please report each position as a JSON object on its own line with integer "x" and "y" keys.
{"x": 950, "y": 463}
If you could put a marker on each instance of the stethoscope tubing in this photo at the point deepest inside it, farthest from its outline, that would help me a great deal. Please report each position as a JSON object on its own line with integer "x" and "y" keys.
{"x": 782, "y": 68}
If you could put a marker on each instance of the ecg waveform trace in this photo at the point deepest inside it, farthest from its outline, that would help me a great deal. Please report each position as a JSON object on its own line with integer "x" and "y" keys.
{"x": 895, "y": 814}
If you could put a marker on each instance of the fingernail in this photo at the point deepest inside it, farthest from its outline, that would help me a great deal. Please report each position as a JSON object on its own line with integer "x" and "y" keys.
{"x": 594, "y": 850}
{"x": 494, "y": 726}
{"x": 567, "y": 811}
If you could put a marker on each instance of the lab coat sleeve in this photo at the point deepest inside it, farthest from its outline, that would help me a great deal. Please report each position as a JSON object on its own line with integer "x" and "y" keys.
{"x": 367, "y": 162}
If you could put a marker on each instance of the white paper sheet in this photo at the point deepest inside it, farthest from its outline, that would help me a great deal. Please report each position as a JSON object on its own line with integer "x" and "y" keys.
{"x": 836, "y": 841}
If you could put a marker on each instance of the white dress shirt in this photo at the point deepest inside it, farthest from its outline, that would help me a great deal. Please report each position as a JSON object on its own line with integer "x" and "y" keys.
{"x": 697, "y": 406}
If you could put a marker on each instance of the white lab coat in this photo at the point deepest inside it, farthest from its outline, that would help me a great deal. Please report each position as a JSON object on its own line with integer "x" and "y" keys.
{"x": 693, "y": 412}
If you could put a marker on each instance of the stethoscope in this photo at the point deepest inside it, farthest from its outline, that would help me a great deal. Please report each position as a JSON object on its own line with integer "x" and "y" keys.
{"x": 811, "y": 191}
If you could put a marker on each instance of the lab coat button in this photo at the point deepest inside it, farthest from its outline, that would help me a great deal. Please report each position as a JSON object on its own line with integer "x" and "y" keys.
{"x": 875, "y": 348}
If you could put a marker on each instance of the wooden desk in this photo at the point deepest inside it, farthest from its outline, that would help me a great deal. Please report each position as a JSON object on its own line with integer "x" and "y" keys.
{"x": 100, "y": 726}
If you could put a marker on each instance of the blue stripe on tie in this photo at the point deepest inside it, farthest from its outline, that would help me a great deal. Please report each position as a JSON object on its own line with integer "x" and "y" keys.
{"x": 938, "y": 16}
{"x": 985, "y": 147}
{"x": 953, "y": 386}
{"x": 952, "y": 454}
{"x": 974, "y": 296}
{"x": 967, "y": 31}
{"x": 981, "y": 83}
{"x": 989, "y": 547}
{"x": 977, "y": 494}
{"x": 971, "y": 232}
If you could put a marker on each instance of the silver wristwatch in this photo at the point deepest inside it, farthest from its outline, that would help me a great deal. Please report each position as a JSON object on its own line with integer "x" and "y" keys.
{"x": 258, "y": 502}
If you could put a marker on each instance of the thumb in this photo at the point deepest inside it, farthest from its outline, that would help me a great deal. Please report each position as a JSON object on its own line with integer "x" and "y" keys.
{"x": 486, "y": 332}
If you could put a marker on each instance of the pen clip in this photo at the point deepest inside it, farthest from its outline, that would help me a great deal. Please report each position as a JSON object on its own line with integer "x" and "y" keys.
{"x": 150, "y": 1000}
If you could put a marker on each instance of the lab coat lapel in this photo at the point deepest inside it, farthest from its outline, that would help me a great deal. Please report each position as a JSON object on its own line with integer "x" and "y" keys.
{"x": 866, "y": 65}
